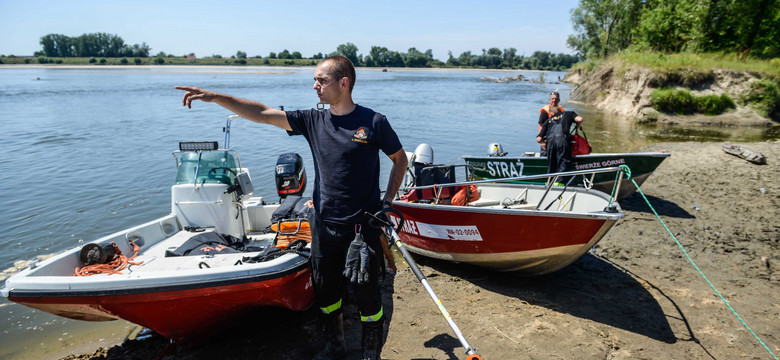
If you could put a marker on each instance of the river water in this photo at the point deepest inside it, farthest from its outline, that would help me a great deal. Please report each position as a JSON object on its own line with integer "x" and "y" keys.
{"x": 88, "y": 151}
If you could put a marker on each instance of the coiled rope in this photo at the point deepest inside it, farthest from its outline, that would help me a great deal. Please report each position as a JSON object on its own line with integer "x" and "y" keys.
{"x": 117, "y": 264}
{"x": 627, "y": 172}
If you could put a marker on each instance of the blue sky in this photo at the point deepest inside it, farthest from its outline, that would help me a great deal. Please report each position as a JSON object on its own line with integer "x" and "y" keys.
{"x": 259, "y": 27}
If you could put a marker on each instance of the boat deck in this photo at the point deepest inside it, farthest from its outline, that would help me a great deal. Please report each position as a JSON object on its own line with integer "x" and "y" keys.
{"x": 152, "y": 257}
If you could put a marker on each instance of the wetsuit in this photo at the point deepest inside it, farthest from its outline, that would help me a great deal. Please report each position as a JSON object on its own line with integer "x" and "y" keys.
{"x": 346, "y": 164}
{"x": 557, "y": 132}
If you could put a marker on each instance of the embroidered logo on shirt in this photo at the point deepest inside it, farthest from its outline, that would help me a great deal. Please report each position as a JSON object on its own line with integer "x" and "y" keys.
{"x": 360, "y": 136}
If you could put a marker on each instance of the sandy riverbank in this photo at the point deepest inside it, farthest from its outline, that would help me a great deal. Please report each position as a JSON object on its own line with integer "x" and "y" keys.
{"x": 636, "y": 296}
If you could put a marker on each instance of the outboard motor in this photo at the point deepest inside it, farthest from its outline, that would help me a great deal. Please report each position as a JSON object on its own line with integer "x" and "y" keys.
{"x": 423, "y": 154}
{"x": 290, "y": 175}
{"x": 496, "y": 150}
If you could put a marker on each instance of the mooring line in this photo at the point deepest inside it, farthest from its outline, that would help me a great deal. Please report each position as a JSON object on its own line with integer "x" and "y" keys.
{"x": 627, "y": 171}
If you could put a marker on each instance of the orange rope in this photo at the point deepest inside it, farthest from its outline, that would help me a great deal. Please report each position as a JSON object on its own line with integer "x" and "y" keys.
{"x": 117, "y": 264}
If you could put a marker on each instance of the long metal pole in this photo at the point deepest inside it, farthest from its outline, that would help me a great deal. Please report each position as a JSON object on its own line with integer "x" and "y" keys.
{"x": 394, "y": 239}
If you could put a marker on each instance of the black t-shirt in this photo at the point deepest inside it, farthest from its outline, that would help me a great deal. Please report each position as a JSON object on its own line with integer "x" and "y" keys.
{"x": 543, "y": 116}
{"x": 346, "y": 159}
{"x": 566, "y": 118}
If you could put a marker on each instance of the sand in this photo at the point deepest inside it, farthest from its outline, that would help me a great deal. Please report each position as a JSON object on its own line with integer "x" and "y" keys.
{"x": 635, "y": 296}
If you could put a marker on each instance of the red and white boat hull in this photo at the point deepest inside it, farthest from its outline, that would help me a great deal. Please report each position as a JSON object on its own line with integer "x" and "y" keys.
{"x": 179, "y": 312}
{"x": 522, "y": 239}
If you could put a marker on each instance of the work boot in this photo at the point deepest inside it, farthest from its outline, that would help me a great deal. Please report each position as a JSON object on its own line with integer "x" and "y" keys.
{"x": 371, "y": 346}
{"x": 333, "y": 330}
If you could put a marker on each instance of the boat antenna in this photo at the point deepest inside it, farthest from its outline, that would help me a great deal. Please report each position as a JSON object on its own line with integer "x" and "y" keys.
{"x": 226, "y": 129}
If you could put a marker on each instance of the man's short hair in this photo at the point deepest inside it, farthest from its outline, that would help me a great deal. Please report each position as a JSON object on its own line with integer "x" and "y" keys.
{"x": 343, "y": 67}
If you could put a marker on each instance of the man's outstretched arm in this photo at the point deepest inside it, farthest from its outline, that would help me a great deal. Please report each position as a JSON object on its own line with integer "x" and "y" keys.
{"x": 248, "y": 109}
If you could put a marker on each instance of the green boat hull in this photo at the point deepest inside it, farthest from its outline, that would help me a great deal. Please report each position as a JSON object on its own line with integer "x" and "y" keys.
{"x": 642, "y": 166}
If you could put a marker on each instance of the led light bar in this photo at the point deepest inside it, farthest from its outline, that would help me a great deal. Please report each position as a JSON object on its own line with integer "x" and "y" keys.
{"x": 198, "y": 145}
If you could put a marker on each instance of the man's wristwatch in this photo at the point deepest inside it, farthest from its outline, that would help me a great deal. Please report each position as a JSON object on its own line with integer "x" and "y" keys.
{"x": 388, "y": 203}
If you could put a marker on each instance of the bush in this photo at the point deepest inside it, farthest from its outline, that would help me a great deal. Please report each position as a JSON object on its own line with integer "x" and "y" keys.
{"x": 714, "y": 104}
{"x": 103, "y": 61}
{"x": 266, "y": 61}
{"x": 137, "y": 60}
{"x": 672, "y": 101}
{"x": 159, "y": 60}
{"x": 92, "y": 60}
{"x": 240, "y": 61}
{"x": 683, "y": 102}
{"x": 764, "y": 96}
{"x": 42, "y": 60}
{"x": 124, "y": 61}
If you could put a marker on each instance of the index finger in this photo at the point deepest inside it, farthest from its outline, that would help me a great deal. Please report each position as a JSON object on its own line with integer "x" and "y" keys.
{"x": 185, "y": 88}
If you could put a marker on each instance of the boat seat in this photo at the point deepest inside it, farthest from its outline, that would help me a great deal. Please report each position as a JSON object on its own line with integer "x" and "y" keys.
{"x": 484, "y": 202}
{"x": 426, "y": 174}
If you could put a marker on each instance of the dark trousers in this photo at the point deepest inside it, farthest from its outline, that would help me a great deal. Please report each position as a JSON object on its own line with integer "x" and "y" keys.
{"x": 329, "y": 246}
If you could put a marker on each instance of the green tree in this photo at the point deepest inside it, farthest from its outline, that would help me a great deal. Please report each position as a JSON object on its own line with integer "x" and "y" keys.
{"x": 671, "y": 26}
{"x": 451, "y": 60}
{"x": 603, "y": 26}
{"x": 749, "y": 26}
{"x": 508, "y": 58}
{"x": 415, "y": 58}
{"x": 240, "y": 54}
{"x": 348, "y": 50}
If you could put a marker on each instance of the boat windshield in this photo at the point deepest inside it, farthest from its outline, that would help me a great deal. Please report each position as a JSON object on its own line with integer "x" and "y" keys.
{"x": 216, "y": 167}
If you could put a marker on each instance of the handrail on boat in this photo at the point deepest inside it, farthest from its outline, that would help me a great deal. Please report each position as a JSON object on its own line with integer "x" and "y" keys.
{"x": 519, "y": 178}
{"x": 552, "y": 177}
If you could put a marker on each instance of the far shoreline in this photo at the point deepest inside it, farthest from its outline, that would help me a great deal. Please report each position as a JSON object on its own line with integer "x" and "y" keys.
{"x": 259, "y": 67}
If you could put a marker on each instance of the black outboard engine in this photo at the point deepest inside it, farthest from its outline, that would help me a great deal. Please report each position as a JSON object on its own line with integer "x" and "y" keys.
{"x": 290, "y": 175}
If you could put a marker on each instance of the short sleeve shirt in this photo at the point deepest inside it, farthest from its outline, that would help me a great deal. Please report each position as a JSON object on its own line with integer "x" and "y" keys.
{"x": 346, "y": 159}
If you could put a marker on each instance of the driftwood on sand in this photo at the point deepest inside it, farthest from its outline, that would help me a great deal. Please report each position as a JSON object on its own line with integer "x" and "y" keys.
{"x": 745, "y": 153}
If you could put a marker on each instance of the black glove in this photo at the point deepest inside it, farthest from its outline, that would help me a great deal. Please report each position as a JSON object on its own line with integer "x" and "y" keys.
{"x": 358, "y": 260}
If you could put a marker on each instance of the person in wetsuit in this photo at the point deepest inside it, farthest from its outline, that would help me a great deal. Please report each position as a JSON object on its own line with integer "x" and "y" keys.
{"x": 555, "y": 137}
{"x": 345, "y": 141}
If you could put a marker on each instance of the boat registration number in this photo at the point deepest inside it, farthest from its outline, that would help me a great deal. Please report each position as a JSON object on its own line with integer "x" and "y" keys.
{"x": 444, "y": 232}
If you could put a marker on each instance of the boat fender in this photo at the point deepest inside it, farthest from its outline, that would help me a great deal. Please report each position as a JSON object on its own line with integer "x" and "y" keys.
{"x": 92, "y": 253}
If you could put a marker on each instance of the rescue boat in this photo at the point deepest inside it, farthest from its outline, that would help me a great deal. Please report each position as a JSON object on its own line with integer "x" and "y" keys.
{"x": 504, "y": 225}
{"x": 169, "y": 274}
{"x": 642, "y": 165}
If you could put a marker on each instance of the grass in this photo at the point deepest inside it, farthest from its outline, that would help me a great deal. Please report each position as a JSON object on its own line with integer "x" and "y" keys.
{"x": 699, "y": 64}
{"x": 678, "y": 101}
{"x": 764, "y": 96}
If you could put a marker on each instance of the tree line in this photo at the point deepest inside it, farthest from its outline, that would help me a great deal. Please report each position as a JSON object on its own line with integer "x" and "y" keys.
{"x": 90, "y": 45}
{"x": 109, "y": 45}
{"x": 746, "y": 27}
{"x": 493, "y": 58}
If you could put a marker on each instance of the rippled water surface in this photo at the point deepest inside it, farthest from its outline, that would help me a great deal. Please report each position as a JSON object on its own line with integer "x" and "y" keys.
{"x": 88, "y": 151}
